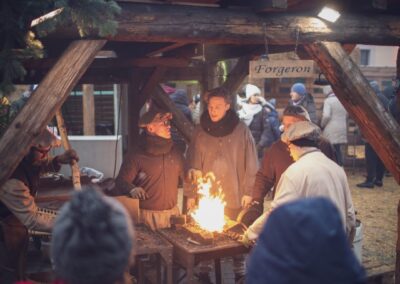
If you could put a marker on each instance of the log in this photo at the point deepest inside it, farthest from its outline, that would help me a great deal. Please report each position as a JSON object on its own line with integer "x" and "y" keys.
{"x": 179, "y": 120}
{"x": 138, "y": 78}
{"x": 238, "y": 74}
{"x": 152, "y": 83}
{"x": 106, "y": 63}
{"x": 117, "y": 75}
{"x": 76, "y": 176}
{"x": 359, "y": 99}
{"x": 44, "y": 102}
{"x": 178, "y": 23}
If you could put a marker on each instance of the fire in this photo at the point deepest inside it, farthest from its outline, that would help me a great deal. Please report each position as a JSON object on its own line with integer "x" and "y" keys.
{"x": 210, "y": 213}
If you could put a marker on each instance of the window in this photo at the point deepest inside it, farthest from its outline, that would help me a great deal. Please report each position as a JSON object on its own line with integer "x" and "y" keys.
{"x": 364, "y": 57}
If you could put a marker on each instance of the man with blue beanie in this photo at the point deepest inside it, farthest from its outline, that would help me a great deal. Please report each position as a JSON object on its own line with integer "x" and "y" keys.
{"x": 299, "y": 96}
{"x": 304, "y": 242}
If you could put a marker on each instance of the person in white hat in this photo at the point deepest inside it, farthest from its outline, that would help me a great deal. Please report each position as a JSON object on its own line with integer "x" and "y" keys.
{"x": 313, "y": 174}
{"x": 260, "y": 116}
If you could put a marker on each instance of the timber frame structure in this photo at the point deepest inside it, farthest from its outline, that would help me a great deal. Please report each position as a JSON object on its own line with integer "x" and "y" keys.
{"x": 163, "y": 40}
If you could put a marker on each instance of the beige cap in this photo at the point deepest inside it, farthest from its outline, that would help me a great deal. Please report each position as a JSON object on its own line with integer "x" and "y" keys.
{"x": 301, "y": 130}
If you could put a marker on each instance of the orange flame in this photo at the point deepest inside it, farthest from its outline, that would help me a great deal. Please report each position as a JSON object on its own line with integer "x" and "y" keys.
{"x": 210, "y": 213}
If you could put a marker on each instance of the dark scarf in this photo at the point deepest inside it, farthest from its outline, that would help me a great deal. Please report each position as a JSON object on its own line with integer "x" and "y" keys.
{"x": 220, "y": 128}
{"x": 156, "y": 145}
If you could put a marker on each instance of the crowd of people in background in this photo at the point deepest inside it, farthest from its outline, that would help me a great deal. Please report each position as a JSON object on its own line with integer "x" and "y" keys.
{"x": 296, "y": 160}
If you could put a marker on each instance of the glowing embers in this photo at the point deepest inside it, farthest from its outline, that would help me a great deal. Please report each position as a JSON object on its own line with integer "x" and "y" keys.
{"x": 209, "y": 214}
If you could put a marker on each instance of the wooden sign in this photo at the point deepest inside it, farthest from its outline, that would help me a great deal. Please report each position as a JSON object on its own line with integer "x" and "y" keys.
{"x": 281, "y": 68}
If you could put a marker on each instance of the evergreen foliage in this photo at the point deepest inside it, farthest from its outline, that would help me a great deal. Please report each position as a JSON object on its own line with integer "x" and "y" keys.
{"x": 18, "y": 40}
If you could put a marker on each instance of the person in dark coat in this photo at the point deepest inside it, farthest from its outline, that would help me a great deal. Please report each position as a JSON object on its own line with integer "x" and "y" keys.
{"x": 303, "y": 242}
{"x": 300, "y": 97}
{"x": 181, "y": 101}
{"x": 277, "y": 158}
{"x": 151, "y": 172}
{"x": 374, "y": 165}
{"x": 19, "y": 213}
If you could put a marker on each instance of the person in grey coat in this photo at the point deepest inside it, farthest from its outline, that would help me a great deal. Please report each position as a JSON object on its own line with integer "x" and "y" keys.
{"x": 334, "y": 123}
{"x": 223, "y": 145}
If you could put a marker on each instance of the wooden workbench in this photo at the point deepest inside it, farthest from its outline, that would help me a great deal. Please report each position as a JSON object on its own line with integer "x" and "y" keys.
{"x": 188, "y": 255}
{"x": 149, "y": 242}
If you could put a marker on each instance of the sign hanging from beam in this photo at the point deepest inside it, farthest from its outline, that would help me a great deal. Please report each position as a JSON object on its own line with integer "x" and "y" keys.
{"x": 281, "y": 68}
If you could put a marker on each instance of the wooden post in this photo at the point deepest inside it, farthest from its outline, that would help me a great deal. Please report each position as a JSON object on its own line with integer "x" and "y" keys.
{"x": 88, "y": 110}
{"x": 44, "y": 102}
{"x": 397, "y": 268}
{"x": 184, "y": 126}
{"x": 360, "y": 100}
{"x": 76, "y": 176}
{"x": 134, "y": 105}
{"x": 236, "y": 77}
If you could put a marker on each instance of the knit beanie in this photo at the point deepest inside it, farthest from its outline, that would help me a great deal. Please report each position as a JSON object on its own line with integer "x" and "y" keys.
{"x": 299, "y": 88}
{"x": 92, "y": 240}
{"x": 251, "y": 90}
{"x": 303, "y": 242}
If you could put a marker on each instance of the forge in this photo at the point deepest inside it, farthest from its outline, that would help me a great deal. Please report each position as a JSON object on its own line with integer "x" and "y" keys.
{"x": 193, "y": 231}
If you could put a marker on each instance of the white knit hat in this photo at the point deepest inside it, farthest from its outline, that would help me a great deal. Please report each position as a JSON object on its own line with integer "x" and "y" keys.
{"x": 251, "y": 90}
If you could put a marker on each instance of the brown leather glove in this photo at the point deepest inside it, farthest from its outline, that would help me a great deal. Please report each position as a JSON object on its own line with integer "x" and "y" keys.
{"x": 67, "y": 157}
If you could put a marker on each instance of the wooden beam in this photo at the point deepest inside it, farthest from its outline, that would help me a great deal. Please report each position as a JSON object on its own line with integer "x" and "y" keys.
{"x": 183, "y": 74}
{"x": 165, "y": 49}
{"x": 44, "y": 102}
{"x": 116, "y": 75}
{"x": 179, "y": 120}
{"x": 222, "y": 52}
{"x": 106, "y": 63}
{"x": 237, "y": 75}
{"x": 270, "y": 5}
{"x": 153, "y": 81}
{"x": 397, "y": 265}
{"x": 138, "y": 78}
{"x": 359, "y": 99}
{"x": 178, "y": 23}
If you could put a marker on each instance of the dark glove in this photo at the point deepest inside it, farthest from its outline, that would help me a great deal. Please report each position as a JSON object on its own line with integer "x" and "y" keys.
{"x": 67, "y": 157}
{"x": 138, "y": 193}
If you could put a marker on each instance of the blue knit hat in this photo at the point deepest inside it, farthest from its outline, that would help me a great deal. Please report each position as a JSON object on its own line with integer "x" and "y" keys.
{"x": 303, "y": 242}
{"x": 299, "y": 88}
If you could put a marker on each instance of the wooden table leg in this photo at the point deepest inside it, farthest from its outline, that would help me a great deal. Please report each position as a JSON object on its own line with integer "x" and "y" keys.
{"x": 167, "y": 257}
{"x": 190, "y": 270}
{"x": 217, "y": 264}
